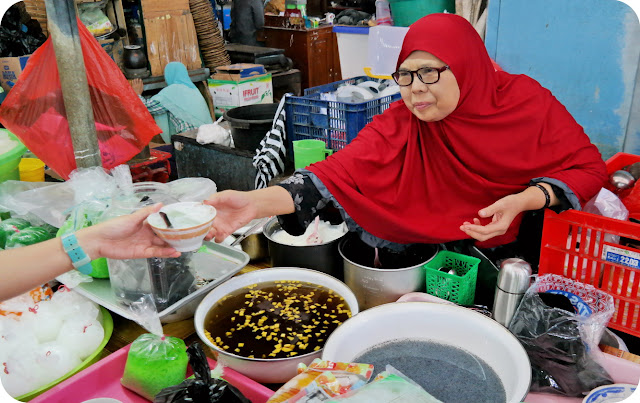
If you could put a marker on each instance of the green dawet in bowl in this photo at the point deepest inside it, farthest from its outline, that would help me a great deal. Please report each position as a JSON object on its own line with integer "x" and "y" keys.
{"x": 107, "y": 324}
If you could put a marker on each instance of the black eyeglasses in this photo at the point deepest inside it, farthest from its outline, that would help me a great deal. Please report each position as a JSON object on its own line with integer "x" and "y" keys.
{"x": 428, "y": 75}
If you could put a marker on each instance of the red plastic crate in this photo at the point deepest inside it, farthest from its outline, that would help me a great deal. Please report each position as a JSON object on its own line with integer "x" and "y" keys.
{"x": 156, "y": 169}
{"x": 580, "y": 246}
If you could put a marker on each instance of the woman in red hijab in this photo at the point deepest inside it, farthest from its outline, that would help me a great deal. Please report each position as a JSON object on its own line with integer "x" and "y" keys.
{"x": 465, "y": 153}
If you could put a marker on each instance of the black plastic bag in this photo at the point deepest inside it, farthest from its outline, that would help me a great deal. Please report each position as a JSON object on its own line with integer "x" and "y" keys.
{"x": 201, "y": 387}
{"x": 556, "y": 340}
{"x": 19, "y": 34}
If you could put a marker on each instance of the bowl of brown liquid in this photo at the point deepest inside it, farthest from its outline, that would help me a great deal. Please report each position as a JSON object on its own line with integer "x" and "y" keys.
{"x": 266, "y": 322}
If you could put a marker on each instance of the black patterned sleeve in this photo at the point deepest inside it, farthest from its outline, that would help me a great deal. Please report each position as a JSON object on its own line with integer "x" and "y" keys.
{"x": 308, "y": 204}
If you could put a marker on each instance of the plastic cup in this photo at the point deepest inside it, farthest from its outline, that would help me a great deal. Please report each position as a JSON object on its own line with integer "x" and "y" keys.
{"x": 306, "y": 152}
{"x": 31, "y": 170}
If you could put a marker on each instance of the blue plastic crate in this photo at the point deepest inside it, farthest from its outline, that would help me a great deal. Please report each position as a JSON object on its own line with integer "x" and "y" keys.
{"x": 336, "y": 123}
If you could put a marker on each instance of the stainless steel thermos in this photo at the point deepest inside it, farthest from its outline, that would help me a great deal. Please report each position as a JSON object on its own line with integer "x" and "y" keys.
{"x": 513, "y": 281}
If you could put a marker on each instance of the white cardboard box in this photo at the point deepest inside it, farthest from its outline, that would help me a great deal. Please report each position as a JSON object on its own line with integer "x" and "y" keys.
{"x": 229, "y": 94}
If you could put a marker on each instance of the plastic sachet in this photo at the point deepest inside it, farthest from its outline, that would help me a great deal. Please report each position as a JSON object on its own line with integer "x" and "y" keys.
{"x": 204, "y": 386}
{"x": 154, "y": 361}
{"x": 322, "y": 378}
{"x": 389, "y": 386}
{"x": 559, "y": 342}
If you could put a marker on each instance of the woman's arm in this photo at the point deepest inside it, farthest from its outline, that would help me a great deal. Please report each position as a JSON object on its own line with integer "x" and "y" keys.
{"x": 126, "y": 237}
{"x": 236, "y": 209}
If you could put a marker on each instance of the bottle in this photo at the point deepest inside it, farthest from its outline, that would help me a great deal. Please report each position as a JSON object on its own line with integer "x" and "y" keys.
{"x": 513, "y": 281}
{"x": 383, "y": 13}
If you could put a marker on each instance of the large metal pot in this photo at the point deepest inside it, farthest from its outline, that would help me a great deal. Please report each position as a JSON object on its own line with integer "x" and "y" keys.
{"x": 276, "y": 370}
{"x": 400, "y": 273}
{"x": 323, "y": 257}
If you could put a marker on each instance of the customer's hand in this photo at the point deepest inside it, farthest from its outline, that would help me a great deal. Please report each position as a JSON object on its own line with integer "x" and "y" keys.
{"x": 126, "y": 237}
{"x": 234, "y": 210}
{"x": 137, "y": 85}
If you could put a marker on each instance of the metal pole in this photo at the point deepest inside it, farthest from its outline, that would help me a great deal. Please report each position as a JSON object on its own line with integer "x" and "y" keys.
{"x": 63, "y": 28}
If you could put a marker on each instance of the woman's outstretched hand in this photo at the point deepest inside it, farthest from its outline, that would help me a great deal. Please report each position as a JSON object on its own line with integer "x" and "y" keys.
{"x": 234, "y": 209}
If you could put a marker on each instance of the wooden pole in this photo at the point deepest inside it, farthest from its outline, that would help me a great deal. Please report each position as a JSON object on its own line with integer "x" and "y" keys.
{"x": 63, "y": 28}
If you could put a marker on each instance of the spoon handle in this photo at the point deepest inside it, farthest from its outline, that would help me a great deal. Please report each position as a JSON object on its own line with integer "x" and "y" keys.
{"x": 166, "y": 219}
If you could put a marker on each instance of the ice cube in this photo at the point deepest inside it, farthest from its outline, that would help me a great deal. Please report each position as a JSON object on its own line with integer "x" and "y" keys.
{"x": 81, "y": 336}
{"x": 55, "y": 360}
{"x": 20, "y": 374}
{"x": 45, "y": 321}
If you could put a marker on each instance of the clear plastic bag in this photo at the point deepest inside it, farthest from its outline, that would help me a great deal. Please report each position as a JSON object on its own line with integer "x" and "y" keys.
{"x": 560, "y": 343}
{"x": 93, "y": 17}
{"x": 388, "y": 387}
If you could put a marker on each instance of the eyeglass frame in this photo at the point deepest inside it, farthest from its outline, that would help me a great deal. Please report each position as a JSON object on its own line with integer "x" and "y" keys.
{"x": 415, "y": 73}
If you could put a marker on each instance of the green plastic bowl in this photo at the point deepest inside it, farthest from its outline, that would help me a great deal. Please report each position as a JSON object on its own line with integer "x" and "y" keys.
{"x": 10, "y": 160}
{"x": 107, "y": 324}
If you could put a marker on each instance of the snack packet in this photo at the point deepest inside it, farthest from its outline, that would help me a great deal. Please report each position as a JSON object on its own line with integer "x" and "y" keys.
{"x": 323, "y": 378}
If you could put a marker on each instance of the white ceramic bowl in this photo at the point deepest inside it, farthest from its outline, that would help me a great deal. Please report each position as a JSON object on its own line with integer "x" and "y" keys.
{"x": 190, "y": 235}
{"x": 278, "y": 370}
{"x": 617, "y": 392}
{"x": 445, "y": 324}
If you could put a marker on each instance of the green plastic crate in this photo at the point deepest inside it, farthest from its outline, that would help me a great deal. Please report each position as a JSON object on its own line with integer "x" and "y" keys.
{"x": 460, "y": 287}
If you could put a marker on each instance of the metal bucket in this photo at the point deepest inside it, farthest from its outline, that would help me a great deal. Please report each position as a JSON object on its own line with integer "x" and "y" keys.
{"x": 373, "y": 286}
{"x": 323, "y": 257}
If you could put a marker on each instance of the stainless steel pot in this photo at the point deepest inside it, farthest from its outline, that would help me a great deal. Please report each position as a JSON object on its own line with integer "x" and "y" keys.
{"x": 373, "y": 286}
{"x": 323, "y": 257}
{"x": 256, "y": 246}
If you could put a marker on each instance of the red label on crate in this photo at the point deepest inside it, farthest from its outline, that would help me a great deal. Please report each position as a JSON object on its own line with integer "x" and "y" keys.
{"x": 621, "y": 255}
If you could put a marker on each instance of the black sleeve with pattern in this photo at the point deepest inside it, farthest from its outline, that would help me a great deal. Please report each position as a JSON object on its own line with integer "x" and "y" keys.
{"x": 308, "y": 204}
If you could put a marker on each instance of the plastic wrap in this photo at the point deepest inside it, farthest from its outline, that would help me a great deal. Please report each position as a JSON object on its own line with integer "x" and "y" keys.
{"x": 154, "y": 363}
{"x": 34, "y": 109}
{"x": 557, "y": 341}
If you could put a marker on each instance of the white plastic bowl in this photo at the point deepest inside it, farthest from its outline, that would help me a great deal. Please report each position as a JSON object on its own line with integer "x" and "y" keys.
{"x": 184, "y": 238}
{"x": 277, "y": 370}
{"x": 445, "y": 324}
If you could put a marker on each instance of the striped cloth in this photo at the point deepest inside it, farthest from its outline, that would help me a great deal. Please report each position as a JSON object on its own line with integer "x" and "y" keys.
{"x": 270, "y": 158}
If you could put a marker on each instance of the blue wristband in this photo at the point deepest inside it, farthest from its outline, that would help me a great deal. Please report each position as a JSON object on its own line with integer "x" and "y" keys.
{"x": 79, "y": 259}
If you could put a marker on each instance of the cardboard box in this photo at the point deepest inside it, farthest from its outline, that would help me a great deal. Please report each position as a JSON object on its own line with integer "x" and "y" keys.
{"x": 239, "y": 71}
{"x": 228, "y": 94}
{"x": 11, "y": 68}
{"x": 115, "y": 50}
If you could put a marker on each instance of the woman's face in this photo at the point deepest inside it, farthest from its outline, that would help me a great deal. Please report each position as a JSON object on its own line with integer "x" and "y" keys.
{"x": 429, "y": 102}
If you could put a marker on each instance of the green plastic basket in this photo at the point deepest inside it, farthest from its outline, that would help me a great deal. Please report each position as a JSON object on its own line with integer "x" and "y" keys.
{"x": 406, "y": 12}
{"x": 460, "y": 287}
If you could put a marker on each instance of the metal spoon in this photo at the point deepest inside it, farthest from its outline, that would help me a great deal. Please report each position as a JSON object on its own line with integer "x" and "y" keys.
{"x": 622, "y": 179}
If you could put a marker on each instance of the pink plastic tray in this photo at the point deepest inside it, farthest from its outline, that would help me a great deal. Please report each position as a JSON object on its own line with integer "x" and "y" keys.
{"x": 102, "y": 379}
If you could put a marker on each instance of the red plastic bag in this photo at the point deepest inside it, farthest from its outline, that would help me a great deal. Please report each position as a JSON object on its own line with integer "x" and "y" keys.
{"x": 34, "y": 109}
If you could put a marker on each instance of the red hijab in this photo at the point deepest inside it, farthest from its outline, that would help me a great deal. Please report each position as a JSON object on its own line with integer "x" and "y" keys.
{"x": 409, "y": 181}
